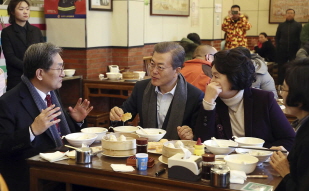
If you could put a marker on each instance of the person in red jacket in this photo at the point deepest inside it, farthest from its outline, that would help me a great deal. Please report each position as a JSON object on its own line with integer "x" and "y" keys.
{"x": 198, "y": 70}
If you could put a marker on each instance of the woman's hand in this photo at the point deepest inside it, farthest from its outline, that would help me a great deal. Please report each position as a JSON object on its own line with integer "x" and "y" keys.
{"x": 213, "y": 90}
{"x": 280, "y": 163}
{"x": 185, "y": 132}
{"x": 81, "y": 110}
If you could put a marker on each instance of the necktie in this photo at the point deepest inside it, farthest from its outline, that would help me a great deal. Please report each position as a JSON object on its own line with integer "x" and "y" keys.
{"x": 49, "y": 103}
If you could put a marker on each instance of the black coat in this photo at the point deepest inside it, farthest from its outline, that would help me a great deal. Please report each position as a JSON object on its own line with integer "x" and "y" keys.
{"x": 17, "y": 112}
{"x": 194, "y": 100}
{"x": 14, "y": 47}
{"x": 298, "y": 160}
{"x": 267, "y": 51}
{"x": 288, "y": 37}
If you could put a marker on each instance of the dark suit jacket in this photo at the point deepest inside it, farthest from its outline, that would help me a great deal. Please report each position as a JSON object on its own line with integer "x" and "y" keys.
{"x": 267, "y": 51}
{"x": 263, "y": 119}
{"x": 134, "y": 104}
{"x": 17, "y": 112}
{"x": 298, "y": 160}
{"x": 14, "y": 47}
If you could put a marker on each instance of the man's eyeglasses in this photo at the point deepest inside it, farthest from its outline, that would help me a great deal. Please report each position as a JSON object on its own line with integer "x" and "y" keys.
{"x": 59, "y": 69}
{"x": 152, "y": 65}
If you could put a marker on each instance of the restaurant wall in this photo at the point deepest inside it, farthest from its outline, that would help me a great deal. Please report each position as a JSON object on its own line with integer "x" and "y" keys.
{"x": 126, "y": 34}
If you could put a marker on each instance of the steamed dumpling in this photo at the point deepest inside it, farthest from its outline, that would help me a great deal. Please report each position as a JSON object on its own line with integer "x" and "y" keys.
{"x": 122, "y": 138}
{"x": 179, "y": 144}
{"x": 112, "y": 138}
{"x": 170, "y": 145}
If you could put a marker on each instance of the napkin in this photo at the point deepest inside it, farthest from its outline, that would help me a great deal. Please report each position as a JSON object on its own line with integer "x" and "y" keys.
{"x": 237, "y": 177}
{"x": 186, "y": 152}
{"x": 122, "y": 168}
{"x": 53, "y": 157}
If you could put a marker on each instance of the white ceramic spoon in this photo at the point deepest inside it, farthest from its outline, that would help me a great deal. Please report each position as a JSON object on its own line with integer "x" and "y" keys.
{"x": 215, "y": 140}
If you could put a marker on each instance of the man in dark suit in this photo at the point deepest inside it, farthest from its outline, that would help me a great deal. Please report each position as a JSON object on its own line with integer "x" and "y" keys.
{"x": 28, "y": 125}
{"x": 166, "y": 100}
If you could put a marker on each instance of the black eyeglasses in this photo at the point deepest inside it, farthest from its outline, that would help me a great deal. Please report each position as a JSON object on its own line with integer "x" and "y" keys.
{"x": 281, "y": 89}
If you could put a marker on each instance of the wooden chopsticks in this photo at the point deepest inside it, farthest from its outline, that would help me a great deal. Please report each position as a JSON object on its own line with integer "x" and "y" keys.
{"x": 258, "y": 149}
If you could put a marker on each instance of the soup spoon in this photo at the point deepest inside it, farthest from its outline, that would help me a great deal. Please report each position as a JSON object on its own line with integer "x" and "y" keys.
{"x": 78, "y": 149}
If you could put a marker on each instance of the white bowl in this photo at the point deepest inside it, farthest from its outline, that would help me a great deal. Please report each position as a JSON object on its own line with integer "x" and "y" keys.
{"x": 241, "y": 162}
{"x": 153, "y": 134}
{"x": 249, "y": 141}
{"x": 69, "y": 72}
{"x": 141, "y": 74}
{"x": 100, "y": 131}
{"x": 126, "y": 129}
{"x": 77, "y": 139}
{"x": 215, "y": 149}
{"x": 261, "y": 155}
{"x": 113, "y": 76}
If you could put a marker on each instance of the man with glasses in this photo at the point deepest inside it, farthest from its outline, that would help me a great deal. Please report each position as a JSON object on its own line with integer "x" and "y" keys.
{"x": 198, "y": 71}
{"x": 32, "y": 117}
{"x": 165, "y": 101}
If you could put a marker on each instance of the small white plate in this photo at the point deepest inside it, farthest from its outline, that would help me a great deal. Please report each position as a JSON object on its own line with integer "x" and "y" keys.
{"x": 103, "y": 78}
{"x": 153, "y": 151}
{"x": 71, "y": 154}
{"x": 122, "y": 156}
{"x": 161, "y": 160}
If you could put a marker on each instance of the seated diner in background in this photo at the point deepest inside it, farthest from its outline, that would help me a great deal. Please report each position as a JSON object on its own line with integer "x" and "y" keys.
{"x": 265, "y": 48}
{"x": 264, "y": 80}
{"x": 165, "y": 101}
{"x": 303, "y": 52}
{"x": 295, "y": 93}
{"x": 232, "y": 108}
{"x": 198, "y": 70}
{"x": 32, "y": 117}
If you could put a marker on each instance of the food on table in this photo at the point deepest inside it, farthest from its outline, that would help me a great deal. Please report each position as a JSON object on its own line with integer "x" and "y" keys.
{"x": 112, "y": 138}
{"x": 163, "y": 141}
{"x": 125, "y": 117}
{"x": 122, "y": 138}
{"x": 171, "y": 145}
{"x": 178, "y": 144}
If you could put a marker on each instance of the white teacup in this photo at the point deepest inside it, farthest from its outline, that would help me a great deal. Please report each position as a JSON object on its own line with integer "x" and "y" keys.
{"x": 101, "y": 76}
{"x": 141, "y": 74}
{"x": 113, "y": 76}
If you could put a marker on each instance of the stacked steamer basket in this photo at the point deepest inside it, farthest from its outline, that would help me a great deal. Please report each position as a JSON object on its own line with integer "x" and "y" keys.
{"x": 168, "y": 152}
{"x": 130, "y": 76}
{"x": 119, "y": 148}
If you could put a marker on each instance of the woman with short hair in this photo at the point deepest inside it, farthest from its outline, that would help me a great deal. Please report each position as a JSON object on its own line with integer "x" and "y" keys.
{"x": 295, "y": 93}
{"x": 266, "y": 49}
{"x": 232, "y": 108}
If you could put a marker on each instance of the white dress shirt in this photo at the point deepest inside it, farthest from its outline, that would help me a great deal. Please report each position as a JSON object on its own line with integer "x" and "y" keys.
{"x": 163, "y": 104}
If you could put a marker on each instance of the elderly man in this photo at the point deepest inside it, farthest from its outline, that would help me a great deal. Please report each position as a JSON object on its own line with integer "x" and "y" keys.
{"x": 287, "y": 42}
{"x": 32, "y": 120}
{"x": 235, "y": 25}
{"x": 198, "y": 71}
{"x": 166, "y": 100}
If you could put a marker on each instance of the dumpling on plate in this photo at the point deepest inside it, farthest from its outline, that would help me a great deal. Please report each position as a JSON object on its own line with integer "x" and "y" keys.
{"x": 178, "y": 144}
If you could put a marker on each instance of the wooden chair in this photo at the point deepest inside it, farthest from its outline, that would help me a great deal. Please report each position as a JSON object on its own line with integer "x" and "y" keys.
{"x": 146, "y": 60}
{"x": 98, "y": 119}
{"x": 3, "y": 186}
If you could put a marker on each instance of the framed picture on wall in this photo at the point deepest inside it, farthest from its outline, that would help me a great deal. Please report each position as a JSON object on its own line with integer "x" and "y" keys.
{"x": 101, "y": 5}
{"x": 170, "y": 8}
{"x": 277, "y": 10}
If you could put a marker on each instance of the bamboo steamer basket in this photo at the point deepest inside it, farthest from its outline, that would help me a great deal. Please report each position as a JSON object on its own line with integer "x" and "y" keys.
{"x": 129, "y": 144}
{"x": 169, "y": 152}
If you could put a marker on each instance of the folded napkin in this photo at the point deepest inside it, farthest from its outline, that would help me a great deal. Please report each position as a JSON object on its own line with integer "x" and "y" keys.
{"x": 122, "y": 168}
{"x": 53, "y": 157}
{"x": 237, "y": 177}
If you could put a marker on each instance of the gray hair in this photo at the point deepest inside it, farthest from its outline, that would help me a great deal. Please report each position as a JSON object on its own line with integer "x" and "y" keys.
{"x": 39, "y": 55}
{"x": 177, "y": 51}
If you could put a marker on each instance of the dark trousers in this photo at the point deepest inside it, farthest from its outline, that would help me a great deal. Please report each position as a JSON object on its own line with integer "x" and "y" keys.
{"x": 283, "y": 59}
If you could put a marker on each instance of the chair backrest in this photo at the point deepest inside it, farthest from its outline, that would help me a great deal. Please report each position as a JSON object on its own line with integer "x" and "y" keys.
{"x": 3, "y": 186}
{"x": 146, "y": 60}
{"x": 2, "y": 82}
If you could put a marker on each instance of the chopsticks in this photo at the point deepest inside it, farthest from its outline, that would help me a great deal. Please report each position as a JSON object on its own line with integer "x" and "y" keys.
{"x": 258, "y": 149}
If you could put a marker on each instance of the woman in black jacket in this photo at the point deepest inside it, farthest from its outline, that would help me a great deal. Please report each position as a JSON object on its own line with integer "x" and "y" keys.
{"x": 267, "y": 51}
{"x": 16, "y": 38}
{"x": 295, "y": 93}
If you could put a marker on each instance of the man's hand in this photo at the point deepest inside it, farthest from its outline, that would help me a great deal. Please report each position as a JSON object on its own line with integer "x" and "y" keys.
{"x": 81, "y": 110}
{"x": 45, "y": 119}
{"x": 213, "y": 90}
{"x": 185, "y": 132}
{"x": 115, "y": 114}
{"x": 280, "y": 163}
